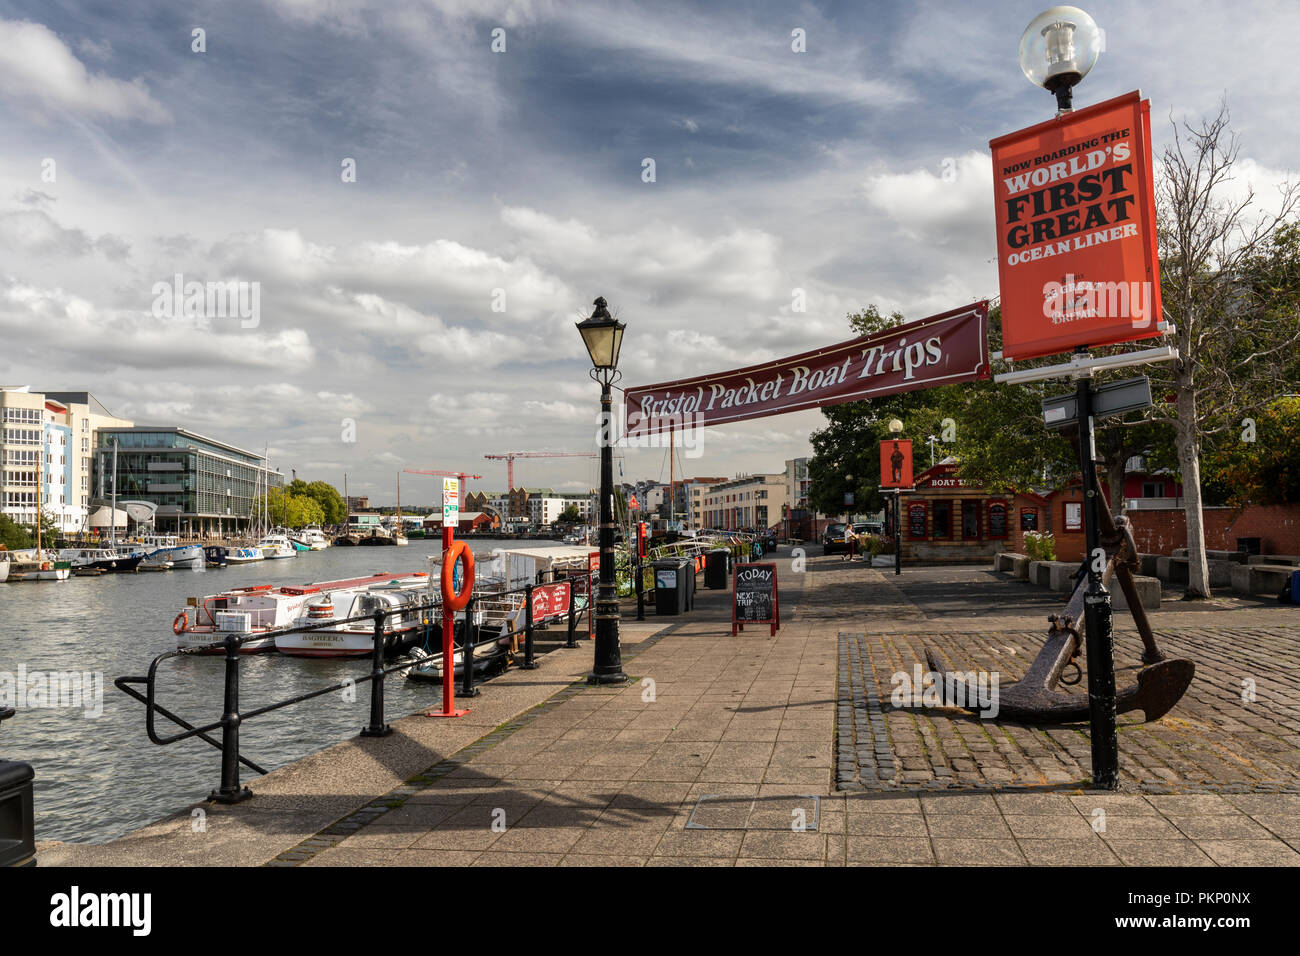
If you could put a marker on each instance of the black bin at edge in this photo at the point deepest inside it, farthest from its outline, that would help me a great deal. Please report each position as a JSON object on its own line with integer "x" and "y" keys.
{"x": 715, "y": 569}
{"x": 17, "y": 818}
{"x": 674, "y": 599}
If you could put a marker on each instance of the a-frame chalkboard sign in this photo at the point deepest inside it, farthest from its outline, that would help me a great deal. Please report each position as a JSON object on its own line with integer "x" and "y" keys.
{"x": 754, "y": 598}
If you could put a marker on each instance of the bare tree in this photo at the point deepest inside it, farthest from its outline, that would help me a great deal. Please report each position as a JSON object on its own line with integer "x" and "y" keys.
{"x": 1234, "y": 345}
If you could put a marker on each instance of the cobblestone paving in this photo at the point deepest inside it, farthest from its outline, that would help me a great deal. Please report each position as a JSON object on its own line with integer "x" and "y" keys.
{"x": 759, "y": 724}
{"x": 1236, "y": 730}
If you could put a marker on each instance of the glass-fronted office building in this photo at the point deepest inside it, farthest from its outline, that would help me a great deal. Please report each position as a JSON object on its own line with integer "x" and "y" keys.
{"x": 201, "y": 486}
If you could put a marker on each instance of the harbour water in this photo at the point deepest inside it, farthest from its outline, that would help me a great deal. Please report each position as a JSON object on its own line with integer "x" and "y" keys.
{"x": 98, "y": 777}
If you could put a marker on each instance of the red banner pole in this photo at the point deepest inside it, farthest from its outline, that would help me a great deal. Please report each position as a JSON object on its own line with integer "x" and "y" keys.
{"x": 449, "y": 645}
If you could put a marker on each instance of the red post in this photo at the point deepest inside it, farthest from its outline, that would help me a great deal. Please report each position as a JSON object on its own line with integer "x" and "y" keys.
{"x": 449, "y": 646}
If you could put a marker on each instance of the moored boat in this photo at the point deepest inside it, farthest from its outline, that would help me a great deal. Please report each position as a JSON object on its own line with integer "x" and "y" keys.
{"x": 34, "y": 565}
{"x": 215, "y": 556}
{"x": 259, "y": 610}
{"x": 102, "y": 559}
{"x": 276, "y": 546}
{"x": 161, "y": 548}
{"x": 408, "y": 624}
{"x": 243, "y": 555}
{"x": 314, "y": 538}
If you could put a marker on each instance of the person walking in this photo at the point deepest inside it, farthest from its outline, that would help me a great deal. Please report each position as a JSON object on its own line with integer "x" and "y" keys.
{"x": 851, "y": 540}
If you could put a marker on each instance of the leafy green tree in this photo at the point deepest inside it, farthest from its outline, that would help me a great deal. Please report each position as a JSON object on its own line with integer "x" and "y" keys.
{"x": 14, "y": 536}
{"x": 1230, "y": 286}
{"x": 1264, "y": 470}
{"x": 571, "y": 515}
{"x": 333, "y": 508}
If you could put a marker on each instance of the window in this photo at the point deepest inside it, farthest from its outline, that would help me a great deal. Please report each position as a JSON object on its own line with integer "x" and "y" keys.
{"x": 1153, "y": 489}
{"x": 942, "y": 520}
{"x": 970, "y": 520}
{"x": 1028, "y": 519}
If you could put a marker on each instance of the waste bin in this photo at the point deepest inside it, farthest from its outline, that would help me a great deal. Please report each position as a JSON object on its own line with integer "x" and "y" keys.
{"x": 691, "y": 572}
{"x": 671, "y": 583}
{"x": 1250, "y": 545}
{"x": 1295, "y": 587}
{"x": 715, "y": 569}
{"x": 17, "y": 817}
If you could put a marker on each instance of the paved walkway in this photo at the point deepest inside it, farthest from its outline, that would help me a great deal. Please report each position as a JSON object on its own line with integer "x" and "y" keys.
{"x": 724, "y": 751}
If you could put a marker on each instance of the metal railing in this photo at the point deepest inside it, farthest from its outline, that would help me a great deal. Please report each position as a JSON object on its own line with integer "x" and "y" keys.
{"x": 231, "y": 719}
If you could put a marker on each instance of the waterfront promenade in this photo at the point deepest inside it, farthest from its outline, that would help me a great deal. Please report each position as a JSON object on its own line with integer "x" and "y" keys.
{"x": 756, "y": 750}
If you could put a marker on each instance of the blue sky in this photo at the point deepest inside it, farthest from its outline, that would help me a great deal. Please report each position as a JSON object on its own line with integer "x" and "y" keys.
{"x": 521, "y": 171}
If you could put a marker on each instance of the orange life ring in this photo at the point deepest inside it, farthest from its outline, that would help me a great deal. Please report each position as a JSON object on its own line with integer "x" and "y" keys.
{"x": 181, "y": 624}
{"x": 459, "y": 551}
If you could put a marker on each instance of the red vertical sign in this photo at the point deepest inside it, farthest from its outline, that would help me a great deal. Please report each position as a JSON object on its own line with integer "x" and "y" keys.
{"x": 1075, "y": 208}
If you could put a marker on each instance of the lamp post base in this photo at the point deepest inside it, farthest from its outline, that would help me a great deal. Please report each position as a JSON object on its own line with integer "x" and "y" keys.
{"x": 616, "y": 677}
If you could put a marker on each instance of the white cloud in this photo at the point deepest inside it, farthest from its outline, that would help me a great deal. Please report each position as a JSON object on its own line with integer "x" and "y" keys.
{"x": 37, "y": 67}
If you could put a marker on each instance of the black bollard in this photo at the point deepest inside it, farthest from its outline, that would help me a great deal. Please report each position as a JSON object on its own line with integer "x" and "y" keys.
{"x": 640, "y": 591}
{"x": 572, "y": 639}
{"x": 377, "y": 727}
{"x": 1098, "y": 636}
{"x": 467, "y": 688}
{"x": 230, "y": 791}
{"x": 530, "y": 662}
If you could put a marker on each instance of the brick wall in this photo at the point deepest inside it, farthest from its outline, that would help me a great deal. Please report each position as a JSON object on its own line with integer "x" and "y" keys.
{"x": 1159, "y": 532}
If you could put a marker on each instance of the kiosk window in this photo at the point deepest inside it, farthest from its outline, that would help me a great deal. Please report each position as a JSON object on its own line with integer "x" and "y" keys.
{"x": 970, "y": 519}
{"x": 942, "y": 519}
{"x": 1073, "y": 516}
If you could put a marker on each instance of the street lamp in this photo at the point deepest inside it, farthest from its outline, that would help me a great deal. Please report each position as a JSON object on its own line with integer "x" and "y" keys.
{"x": 896, "y": 429}
{"x": 1057, "y": 50}
{"x": 603, "y": 336}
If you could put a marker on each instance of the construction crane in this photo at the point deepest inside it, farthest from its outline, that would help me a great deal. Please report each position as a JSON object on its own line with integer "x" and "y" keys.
{"x": 464, "y": 490}
{"x": 510, "y": 457}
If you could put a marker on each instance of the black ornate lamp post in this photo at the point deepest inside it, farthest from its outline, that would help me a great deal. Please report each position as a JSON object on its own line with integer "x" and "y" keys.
{"x": 1057, "y": 50}
{"x": 896, "y": 429}
{"x": 603, "y": 336}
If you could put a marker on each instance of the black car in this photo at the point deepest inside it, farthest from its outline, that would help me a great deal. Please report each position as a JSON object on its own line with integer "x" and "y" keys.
{"x": 833, "y": 541}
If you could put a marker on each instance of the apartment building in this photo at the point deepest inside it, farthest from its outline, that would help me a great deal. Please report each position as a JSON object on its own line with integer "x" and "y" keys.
{"x": 749, "y": 501}
{"x": 46, "y": 451}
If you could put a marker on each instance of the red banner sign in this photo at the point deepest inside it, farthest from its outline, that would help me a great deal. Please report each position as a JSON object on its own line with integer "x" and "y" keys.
{"x": 940, "y": 350}
{"x": 550, "y": 600}
{"x": 1075, "y": 209}
{"x": 896, "y": 463}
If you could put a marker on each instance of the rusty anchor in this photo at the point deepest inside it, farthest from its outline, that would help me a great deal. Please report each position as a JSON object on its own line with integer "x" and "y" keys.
{"x": 1035, "y": 698}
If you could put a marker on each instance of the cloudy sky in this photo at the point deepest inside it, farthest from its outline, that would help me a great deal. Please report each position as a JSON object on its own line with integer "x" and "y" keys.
{"x": 431, "y": 301}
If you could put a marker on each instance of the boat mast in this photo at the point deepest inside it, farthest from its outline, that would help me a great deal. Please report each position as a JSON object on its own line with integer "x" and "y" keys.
{"x": 40, "y": 480}
{"x": 399, "y": 502}
{"x": 672, "y": 500}
{"x": 112, "y": 518}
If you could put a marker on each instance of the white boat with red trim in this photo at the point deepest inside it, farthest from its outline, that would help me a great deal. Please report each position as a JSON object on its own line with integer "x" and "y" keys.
{"x": 406, "y": 625}
{"x": 259, "y": 610}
